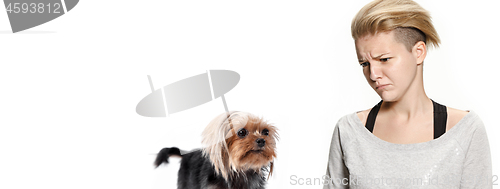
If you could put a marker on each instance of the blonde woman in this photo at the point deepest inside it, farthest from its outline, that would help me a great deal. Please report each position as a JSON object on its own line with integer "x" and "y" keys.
{"x": 407, "y": 140}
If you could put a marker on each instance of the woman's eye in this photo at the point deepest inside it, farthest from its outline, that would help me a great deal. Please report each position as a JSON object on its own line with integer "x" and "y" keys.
{"x": 265, "y": 132}
{"x": 364, "y": 64}
{"x": 242, "y": 132}
{"x": 384, "y": 59}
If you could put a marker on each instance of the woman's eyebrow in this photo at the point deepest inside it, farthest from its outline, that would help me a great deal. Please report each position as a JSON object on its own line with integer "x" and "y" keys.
{"x": 377, "y": 57}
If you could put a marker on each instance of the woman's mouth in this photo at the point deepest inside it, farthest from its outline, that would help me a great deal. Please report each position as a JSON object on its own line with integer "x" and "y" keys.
{"x": 381, "y": 86}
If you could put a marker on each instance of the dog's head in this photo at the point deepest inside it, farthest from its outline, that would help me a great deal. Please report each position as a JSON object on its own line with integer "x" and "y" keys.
{"x": 239, "y": 141}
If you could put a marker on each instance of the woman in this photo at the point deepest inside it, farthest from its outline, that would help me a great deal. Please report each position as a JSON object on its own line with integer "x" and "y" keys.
{"x": 407, "y": 140}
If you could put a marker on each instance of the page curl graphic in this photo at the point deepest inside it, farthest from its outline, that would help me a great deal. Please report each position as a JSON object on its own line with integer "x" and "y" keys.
{"x": 26, "y": 14}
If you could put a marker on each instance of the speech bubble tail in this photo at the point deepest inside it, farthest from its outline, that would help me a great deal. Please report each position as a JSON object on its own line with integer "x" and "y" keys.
{"x": 225, "y": 104}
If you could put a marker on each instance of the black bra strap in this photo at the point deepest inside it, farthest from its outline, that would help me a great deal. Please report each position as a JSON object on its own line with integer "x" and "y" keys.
{"x": 440, "y": 117}
{"x": 370, "y": 121}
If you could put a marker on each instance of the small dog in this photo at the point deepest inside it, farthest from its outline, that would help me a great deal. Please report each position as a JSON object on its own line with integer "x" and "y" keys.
{"x": 239, "y": 150}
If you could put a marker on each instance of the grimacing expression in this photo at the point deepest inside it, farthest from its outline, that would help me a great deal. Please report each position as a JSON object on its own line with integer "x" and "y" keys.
{"x": 388, "y": 66}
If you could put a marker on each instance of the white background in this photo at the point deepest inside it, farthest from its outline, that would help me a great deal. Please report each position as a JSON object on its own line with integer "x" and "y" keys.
{"x": 69, "y": 87}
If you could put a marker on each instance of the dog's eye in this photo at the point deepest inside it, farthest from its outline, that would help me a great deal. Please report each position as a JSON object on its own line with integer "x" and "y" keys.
{"x": 242, "y": 132}
{"x": 265, "y": 132}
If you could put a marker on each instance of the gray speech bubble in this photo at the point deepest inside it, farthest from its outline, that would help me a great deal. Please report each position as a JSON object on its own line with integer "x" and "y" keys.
{"x": 188, "y": 93}
{"x": 26, "y": 14}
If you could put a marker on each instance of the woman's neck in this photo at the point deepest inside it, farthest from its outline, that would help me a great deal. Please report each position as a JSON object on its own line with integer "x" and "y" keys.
{"x": 409, "y": 106}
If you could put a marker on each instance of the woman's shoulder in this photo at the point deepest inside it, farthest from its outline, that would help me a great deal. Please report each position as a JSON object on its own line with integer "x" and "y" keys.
{"x": 454, "y": 116}
{"x": 347, "y": 126}
{"x": 362, "y": 115}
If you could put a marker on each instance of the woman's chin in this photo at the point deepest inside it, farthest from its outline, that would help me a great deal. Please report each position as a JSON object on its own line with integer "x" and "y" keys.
{"x": 387, "y": 96}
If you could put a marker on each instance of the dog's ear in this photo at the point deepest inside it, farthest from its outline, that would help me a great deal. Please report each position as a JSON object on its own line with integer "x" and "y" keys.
{"x": 217, "y": 130}
{"x": 214, "y": 139}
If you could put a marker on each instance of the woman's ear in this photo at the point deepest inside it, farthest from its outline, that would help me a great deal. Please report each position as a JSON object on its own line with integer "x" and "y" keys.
{"x": 419, "y": 51}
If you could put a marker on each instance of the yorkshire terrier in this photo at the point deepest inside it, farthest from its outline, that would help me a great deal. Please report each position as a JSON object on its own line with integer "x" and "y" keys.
{"x": 239, "y": 151}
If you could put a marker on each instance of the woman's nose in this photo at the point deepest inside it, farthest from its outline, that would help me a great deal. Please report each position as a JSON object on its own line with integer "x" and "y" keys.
{"x": 375, "y": 72}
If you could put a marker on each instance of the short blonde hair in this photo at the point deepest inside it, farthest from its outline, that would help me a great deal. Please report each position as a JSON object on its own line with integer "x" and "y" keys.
{"x": 411, "y": 22}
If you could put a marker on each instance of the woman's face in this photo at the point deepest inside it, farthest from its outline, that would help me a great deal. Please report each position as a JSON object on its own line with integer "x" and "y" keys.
{"x": 389, "y": 68}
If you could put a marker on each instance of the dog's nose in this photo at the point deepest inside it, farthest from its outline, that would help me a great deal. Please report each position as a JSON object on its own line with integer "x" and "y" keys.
{"x": 260, "y": 142}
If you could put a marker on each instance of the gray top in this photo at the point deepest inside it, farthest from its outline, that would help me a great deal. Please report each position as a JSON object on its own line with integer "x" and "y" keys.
{"x": 460, "y": 158}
